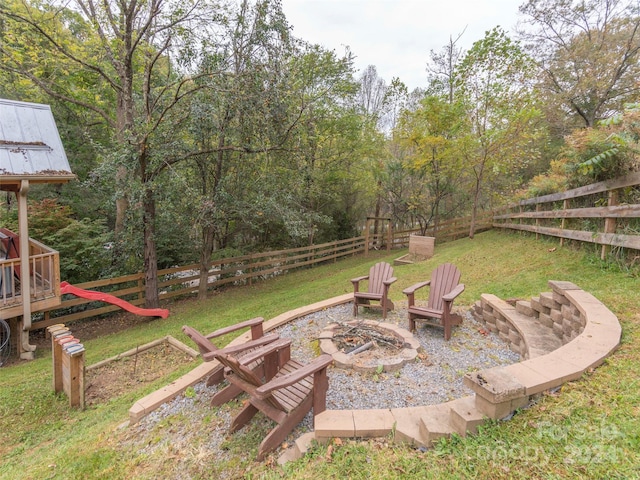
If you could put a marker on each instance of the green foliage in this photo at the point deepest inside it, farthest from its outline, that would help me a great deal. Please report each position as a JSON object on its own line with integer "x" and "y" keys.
{"x": 555, "y": 180}
{"x": 82, "y": 244}
{"x": 190, "y": 392}
{"x": 608, "y": 150}
{"x": 425, "y": 183}
{"x": 84, "y": 253}
{"x": 495, "y": 83}
{"x": 47, "y": 217}
{"x": 588, "y": 59}
{"x": 544, "y": 185}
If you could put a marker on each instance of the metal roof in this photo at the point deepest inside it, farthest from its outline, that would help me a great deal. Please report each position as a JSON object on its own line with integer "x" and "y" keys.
{"x": 30, "y": 146}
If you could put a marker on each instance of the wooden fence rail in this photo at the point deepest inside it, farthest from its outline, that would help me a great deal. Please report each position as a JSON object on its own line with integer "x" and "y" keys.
{"x": 241, "y": 270}
{"x": 600, "y": 219}
{"x": 448, "y": 230}
{"x": 183, "y": 280}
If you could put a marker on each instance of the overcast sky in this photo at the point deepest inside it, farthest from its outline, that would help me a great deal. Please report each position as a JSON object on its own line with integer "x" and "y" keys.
{"x": 397, "y": 35}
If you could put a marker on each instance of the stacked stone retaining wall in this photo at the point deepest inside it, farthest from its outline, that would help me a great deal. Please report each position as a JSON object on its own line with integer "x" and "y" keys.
{"x": 560, "y": 335}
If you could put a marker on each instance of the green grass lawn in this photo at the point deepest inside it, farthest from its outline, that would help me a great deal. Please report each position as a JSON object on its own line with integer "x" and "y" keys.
{"x": 590, "y": 429}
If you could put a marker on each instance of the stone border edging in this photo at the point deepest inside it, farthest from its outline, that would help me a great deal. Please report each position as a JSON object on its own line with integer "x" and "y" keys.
{"x": 391, "y": 363}
{"x": 590, "y": 333}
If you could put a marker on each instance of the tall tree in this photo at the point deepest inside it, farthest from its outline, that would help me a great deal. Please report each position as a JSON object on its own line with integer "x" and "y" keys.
{"x": 397, "y": 99}
{"x": 372, "y": 96}
{"x": 329, "y": 140}
{"x": 588, "y": 51}
{"x": 372, "y": 92}
{"x": 494, "y": 80}
{"x": 261, "y": 131}
{"x": 237, "y": 119}
{"x": 431, "y": 136}
{"x": 140, "y": 53}
{"x": 442, "y": 68}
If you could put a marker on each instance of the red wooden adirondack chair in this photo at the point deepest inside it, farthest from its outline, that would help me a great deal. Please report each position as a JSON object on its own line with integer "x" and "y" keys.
{"x": 207, "y": 349}
{"x": 289, "y": 390}
{"x": 380, "y": 279}
{"x": 444, "y": 287}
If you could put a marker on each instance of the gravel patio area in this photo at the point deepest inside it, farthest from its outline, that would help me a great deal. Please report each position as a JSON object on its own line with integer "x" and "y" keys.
{"x": 435, "y": 376}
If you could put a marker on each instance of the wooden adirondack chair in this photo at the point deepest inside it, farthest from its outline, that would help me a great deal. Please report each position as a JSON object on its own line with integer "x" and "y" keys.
{"x": 289, "y": 390}
{"x": 207, "y": 348}
{"x": 444, "y": 287}
{"x": 380, "y": 279}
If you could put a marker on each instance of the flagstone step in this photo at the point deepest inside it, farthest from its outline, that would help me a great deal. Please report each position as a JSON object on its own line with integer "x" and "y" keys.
{"x": 436, "y": 423}
{"x": 465, "y": 417}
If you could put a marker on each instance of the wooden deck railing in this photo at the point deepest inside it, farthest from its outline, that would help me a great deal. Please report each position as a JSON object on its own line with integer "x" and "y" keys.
{"x": 44, "y": 268}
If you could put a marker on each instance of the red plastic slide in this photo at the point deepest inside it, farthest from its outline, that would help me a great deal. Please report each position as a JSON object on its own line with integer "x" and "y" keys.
{"x": 66, "y": 287}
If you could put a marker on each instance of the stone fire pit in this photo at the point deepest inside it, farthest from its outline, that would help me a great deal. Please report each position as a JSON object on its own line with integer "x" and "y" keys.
{"x": 369, "y": 346}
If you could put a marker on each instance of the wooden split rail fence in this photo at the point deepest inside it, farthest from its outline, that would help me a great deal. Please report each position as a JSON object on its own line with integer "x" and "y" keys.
{"x": 183, "y": 280}
{"x": 178, "y": 281}
{"x": 604, "y": 213}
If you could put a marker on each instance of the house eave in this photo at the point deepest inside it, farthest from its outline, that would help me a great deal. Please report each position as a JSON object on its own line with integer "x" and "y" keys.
{"x": 12, "y": 183}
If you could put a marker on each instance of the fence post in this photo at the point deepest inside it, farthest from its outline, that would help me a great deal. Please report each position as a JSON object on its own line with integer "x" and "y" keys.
{"x": 565, "y": 206}
{"x": 56, "y": 357}
{"x": 140, "y": 286}
{"x": 68, "y": 364}
{"x": 366, "y": 238}
{"x": 521, "y": 220}
{"x": 609, "y": 222}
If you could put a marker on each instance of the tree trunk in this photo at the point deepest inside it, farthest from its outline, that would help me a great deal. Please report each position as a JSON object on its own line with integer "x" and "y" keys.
{"x": 150, "y": 253}
{"x": 436, "y": 218}
{"x": 121, "y": 202}
{"x": 474, "y": 210}
{"x": 208, "y": 236}
{"x": 376, "y": 222}
{"x": 208, "y": 230}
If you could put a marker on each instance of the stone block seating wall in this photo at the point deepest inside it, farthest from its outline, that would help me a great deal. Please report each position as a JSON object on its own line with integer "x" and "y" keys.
{"x": 535, "y": 327}
{"x": 559, "y": 335}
